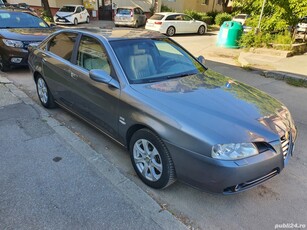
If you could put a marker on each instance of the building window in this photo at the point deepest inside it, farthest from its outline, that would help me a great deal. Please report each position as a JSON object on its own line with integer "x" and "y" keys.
{"x": 205, "y": 2}
{"x": 219, "y": 2}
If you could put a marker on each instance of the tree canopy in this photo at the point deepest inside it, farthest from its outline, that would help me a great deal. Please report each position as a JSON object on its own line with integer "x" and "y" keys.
{"x": 278, "y": 15}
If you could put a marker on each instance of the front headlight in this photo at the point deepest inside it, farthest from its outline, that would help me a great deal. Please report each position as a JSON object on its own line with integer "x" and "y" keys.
{"x": 13, "y": 43}
{"x": 233, "y": 151}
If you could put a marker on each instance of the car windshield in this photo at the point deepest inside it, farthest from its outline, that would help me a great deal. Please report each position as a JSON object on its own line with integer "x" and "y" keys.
{"x": 151, "y": 60}
{"x": 123, "y": 11}
{"x": 20, "y": 20}
{"x": 67, "y": 9}
{"x": 304, "y": 20}
{"x": 240, "y": 16}
{"x": 157, "y": 17}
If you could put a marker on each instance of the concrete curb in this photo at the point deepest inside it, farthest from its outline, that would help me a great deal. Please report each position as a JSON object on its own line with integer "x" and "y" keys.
{"x": 273, "y": 74}
{"x": 146, "y": 204}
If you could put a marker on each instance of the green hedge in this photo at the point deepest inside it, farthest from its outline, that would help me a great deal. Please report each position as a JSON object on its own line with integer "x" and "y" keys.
{"x": 222, "y": 17}
{"x": 200, "y": 16}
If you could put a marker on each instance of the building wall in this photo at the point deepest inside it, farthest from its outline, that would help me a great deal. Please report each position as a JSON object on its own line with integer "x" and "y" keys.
{"x": 177, "y": 5}
{"x": 198, "y": 5}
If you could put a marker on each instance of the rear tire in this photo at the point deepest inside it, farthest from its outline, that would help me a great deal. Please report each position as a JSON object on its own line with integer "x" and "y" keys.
{"x": 202, "y": 30}
{"x": 44, "y": 93}
{"x": 170, "y": 31}
{"x": 151, "y": 160}
{"x": 136, "y": 25}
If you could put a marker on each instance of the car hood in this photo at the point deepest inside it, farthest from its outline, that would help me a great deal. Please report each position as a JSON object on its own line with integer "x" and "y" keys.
{"x": 26, "y": 34}
{"x": 231, "y": 111}
{"x": 64, "y": 14}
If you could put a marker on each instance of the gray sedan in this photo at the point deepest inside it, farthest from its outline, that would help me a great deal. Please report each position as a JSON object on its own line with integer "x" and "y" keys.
{"x": 178, "y": 119}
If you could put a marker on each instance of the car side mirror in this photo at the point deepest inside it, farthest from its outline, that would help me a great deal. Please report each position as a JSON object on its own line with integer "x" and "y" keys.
{"x": 201, "y": 59}
{"x": 99, "y": 75}
{"x": 33, "y": 46}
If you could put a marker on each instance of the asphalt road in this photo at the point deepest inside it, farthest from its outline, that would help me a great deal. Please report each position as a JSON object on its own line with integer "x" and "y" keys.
{"x": 282, "y": 200}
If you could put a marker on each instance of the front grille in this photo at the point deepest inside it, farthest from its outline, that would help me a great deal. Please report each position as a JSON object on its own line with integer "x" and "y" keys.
{"x": 285, "y": 145}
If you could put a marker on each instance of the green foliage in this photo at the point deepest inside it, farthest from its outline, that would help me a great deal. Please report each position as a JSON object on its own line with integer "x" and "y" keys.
{"x": 222, "y": 17}
{"x": 278, "y": 15}
{"x": 165, "y": 8}
{"x": 213, "y": 15}
{"x": 201, "y": 16}
{"x": 263, "y": 39}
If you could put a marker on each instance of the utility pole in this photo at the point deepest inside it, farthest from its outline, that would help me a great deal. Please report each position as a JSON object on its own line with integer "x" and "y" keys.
{"x": 258, "y": 27}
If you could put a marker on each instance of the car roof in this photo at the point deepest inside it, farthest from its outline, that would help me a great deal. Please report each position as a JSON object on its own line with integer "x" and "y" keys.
{"x": 168, "y": 13}
{"x": 128, "y": 7}
{"x": 15, "y": 7}
{"x": 117, "y": 33}
{"x": 71, "y": 5}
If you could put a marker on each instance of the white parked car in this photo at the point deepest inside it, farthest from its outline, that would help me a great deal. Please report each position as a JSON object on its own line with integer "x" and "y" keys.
{"x": 71, "y": 14}
{"x": 241, "y": 18}
{"x": 302, "y": 25}
{"x": 175, "y": 23}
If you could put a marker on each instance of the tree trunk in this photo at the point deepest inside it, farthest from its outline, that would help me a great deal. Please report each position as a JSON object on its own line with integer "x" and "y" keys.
{"x": 224, "y": 5}
{"x": 45, "y": 5}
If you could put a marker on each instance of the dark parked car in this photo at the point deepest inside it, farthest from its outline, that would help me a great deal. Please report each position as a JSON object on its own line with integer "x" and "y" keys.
{"x": 18, "y": 28}
{"x": 177, "y": 118}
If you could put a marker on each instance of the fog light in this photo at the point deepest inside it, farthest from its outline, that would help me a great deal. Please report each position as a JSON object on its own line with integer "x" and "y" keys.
{"x": 16, "y": 60}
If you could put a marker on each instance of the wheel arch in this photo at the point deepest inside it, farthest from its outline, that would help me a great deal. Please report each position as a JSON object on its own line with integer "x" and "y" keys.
{"x": 134, "y": 128}
{"x": 36, "y": 74}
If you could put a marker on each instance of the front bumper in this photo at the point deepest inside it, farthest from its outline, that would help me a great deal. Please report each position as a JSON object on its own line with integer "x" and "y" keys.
{"x": 227, "y": 177}
{"x": 10, "y": 53}
{"x": 64, "y": 21}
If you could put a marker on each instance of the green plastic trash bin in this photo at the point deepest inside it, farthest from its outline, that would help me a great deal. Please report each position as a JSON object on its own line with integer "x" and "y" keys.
{"x": 230, "y": 34}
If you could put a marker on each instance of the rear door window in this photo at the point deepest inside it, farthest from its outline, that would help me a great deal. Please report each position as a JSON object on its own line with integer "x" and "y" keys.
{"x": 62, "y": 45}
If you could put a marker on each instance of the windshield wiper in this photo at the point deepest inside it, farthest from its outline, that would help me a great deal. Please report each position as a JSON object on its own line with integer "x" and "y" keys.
{"x": 180, "y": 75}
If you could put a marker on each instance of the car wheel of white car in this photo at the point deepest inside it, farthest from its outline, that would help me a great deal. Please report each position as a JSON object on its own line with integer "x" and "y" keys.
{"x": 151, "y": 159}
{"x": 88, "y": 20}
{"x": 202, "y": 30}
{"x": 44, "y": 93}
{"x": 75, "y": 21}
{"x": 170, "y": 31}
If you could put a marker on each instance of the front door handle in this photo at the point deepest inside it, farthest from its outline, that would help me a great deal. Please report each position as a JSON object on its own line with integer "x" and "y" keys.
{"x": 73, "y": 75}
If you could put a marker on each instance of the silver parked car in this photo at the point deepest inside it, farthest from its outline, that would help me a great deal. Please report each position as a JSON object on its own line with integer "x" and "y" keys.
{"x": 130, "y": 16}
{"x": 178, "y": 119}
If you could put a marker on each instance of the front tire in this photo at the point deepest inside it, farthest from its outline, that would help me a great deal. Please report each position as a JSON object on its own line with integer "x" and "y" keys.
{"x": 151, "y": 160}
{"x": 3, "y": 65}
{"x": 44, "y": 93}
{"x": 170, "y": 31}
{"x": 75, "y": 21}
{"x": 88, "y": 20}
